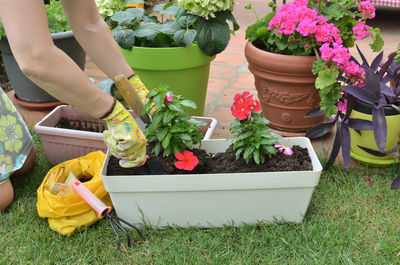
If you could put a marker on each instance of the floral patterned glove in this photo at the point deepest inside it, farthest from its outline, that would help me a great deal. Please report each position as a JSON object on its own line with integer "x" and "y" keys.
{"x": 124, "y": 138}
{"x": 141, "y": 91}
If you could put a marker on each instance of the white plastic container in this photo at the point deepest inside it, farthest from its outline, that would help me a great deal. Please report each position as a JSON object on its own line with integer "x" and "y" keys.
{"x": 61, "y": 144}
{"x": 212, "y": 200}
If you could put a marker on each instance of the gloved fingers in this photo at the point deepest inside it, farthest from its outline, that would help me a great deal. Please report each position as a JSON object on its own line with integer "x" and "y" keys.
{"x": 135, "y": 162}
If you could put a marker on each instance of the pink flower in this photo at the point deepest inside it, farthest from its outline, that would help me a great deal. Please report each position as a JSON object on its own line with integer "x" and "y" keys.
{"x": 369, "y": 181}
{"x": 186, "y": 161}
{"x": 342, "y": 106}
{"x": 340, "y": 54}
{"x": 168, "y": 98}
{"x": 326, "y": 51}
{"x": 360, "y": 30}
{"x": 285, "y": 149}
{"x": 307, "y": 27}
{"x": 367, "y": 9}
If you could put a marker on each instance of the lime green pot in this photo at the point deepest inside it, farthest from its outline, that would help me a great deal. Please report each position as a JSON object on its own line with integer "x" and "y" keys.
{"x": 184, "y": 69}
{"x": 366, "y": 139}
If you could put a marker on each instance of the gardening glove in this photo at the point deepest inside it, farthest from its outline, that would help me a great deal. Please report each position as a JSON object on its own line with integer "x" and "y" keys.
{"x": 134, "y": 92}
{"x": 124, "y": 138}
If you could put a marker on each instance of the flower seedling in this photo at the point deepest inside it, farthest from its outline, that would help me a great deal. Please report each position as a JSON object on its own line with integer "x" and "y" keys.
{"x": 186, "y": 161}
{"x": 171, "y": 130}
{"x": 251, "y": 137}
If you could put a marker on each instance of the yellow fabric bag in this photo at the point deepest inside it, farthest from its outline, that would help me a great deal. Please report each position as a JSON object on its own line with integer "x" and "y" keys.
{"x": 69, "y": 213}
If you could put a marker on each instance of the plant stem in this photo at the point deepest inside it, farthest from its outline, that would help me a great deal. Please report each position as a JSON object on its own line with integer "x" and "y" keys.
{"x": 316, "y": 53}
{"x": 255, "y": 13}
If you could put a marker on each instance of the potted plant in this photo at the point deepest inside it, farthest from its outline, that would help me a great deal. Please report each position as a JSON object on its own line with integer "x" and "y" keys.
{"x": 368, "y": 115}
{"x": 67, "y": 133}
{"x": 285, "y": 51}
{"x": 174, "y": 45}
{"x": 219, "y": 181}
{"x": 27, "y": 93}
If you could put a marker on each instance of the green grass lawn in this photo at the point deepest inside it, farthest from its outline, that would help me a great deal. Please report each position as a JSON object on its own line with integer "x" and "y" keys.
{"x": 348, "y": 222}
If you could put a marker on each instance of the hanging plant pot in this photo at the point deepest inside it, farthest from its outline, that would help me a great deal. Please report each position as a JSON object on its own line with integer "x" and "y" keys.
{"x": 286, "y": 90}
{"x": 213, "y": 200}
{"x": 25, "y": 90}
{"x": 184, "y": 69}
{"x": 363, "y": 146}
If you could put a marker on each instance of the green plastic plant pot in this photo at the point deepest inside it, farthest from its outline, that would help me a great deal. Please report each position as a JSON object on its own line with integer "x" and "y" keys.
{"x": 366, "y": 139}
{"x": 184, "y": 69}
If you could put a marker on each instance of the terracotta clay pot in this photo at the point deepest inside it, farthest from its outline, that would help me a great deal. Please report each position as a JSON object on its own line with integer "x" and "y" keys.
{"x": 286, "y": 90}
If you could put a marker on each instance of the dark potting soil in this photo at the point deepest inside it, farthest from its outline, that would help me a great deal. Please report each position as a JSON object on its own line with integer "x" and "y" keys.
{"x": 81, "y": 125}
{"x": 222, "y": 163}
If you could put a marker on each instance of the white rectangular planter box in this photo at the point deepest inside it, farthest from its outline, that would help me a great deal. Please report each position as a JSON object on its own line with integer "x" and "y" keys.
{"x": 61, "y": 144}
{"x": 212, "y": 200}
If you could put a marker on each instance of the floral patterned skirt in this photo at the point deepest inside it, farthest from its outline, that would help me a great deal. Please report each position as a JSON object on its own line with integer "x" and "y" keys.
{"x": 15, "y": 139}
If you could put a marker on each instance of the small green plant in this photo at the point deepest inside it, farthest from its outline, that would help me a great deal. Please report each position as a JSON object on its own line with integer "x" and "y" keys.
{"x": 171, "y": 129}
{"x": 55, "y": 17}
{"x": 397, "y": 57}
{"x": 169, "y": 25}
{"x": 251, "y": 137}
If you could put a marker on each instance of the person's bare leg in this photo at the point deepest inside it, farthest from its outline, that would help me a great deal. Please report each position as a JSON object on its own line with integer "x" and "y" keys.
{"x": 6, "y": 194}
{"x": 25, "y": 23}
{"x": 95, "y": 37}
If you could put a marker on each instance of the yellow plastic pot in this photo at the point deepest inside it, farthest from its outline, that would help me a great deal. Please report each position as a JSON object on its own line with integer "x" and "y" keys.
{"x": 366, "y": 138}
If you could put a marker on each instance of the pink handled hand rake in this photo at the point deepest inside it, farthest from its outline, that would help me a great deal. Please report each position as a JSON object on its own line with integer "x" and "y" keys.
{"x": 104, "y": 210}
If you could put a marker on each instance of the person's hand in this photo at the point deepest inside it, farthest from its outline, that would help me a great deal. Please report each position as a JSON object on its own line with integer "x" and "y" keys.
{"x": 124, "y": 138}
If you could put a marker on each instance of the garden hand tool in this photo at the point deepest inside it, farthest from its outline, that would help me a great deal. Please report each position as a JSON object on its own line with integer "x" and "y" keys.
{"x": 134, "y": 93}
{"x": 104, "y": 210}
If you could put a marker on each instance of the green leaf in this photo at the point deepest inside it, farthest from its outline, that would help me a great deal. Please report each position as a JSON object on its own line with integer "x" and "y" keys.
{"x": 256, "y": 156}
{"x": 175, "y": 107}
{"x": 326, "y": 79}
{"x": 166, "y": 9}
{"x": 212, "y": 35}
{"x": 165, "y": 140}
{"x": 333, "y": 11}
{"x": 147, "y": 29}
{"x": 169, "y": 28}
{"x": 168, "y": 116}
{"x": 377, "y": 43}
{"x": 186, "y": 21}
{"x": 184, "y": 136}
{"x": 184, "y": 37}
{"x": 125, "y": 38}
{"x": 138, "y": 12}
{"x": 123, "y": 17}
{"x": 163, "y": 132}
{"x": 175, "y": 148}
{"x": 157, "y": 148}
{"x": 178, "y": 128}
{"x": 249, "y": 150}
{"x": 188, "y": 103}
{"x": 222, "y": 16}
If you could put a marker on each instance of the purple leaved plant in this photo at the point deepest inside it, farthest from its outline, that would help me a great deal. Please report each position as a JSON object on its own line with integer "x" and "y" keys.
{"x": 377, "y": 95}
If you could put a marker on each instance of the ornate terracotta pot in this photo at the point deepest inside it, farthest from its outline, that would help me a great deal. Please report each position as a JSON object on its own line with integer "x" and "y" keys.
{"x": 286, "y": 90}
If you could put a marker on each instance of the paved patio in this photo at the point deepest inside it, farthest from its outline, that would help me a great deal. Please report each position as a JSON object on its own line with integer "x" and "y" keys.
{"x": 229, "y": 73}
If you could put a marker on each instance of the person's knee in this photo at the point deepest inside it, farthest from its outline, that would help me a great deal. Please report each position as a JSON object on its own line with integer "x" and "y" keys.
{"x": 6, "y": 194}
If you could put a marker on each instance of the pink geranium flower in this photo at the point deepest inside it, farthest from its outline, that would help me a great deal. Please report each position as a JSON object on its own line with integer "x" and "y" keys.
{"x": 186, "y": 161}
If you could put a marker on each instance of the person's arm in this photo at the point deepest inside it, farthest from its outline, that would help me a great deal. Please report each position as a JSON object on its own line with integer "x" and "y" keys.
{"x": 26, "y": 27}
{"x": 95, "y": 37}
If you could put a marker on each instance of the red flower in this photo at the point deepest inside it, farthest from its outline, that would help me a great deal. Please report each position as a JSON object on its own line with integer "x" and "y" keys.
{"x": 187, "y": 161}
{"x": 168, "y": 98}
{"x": 243, "y": 104}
